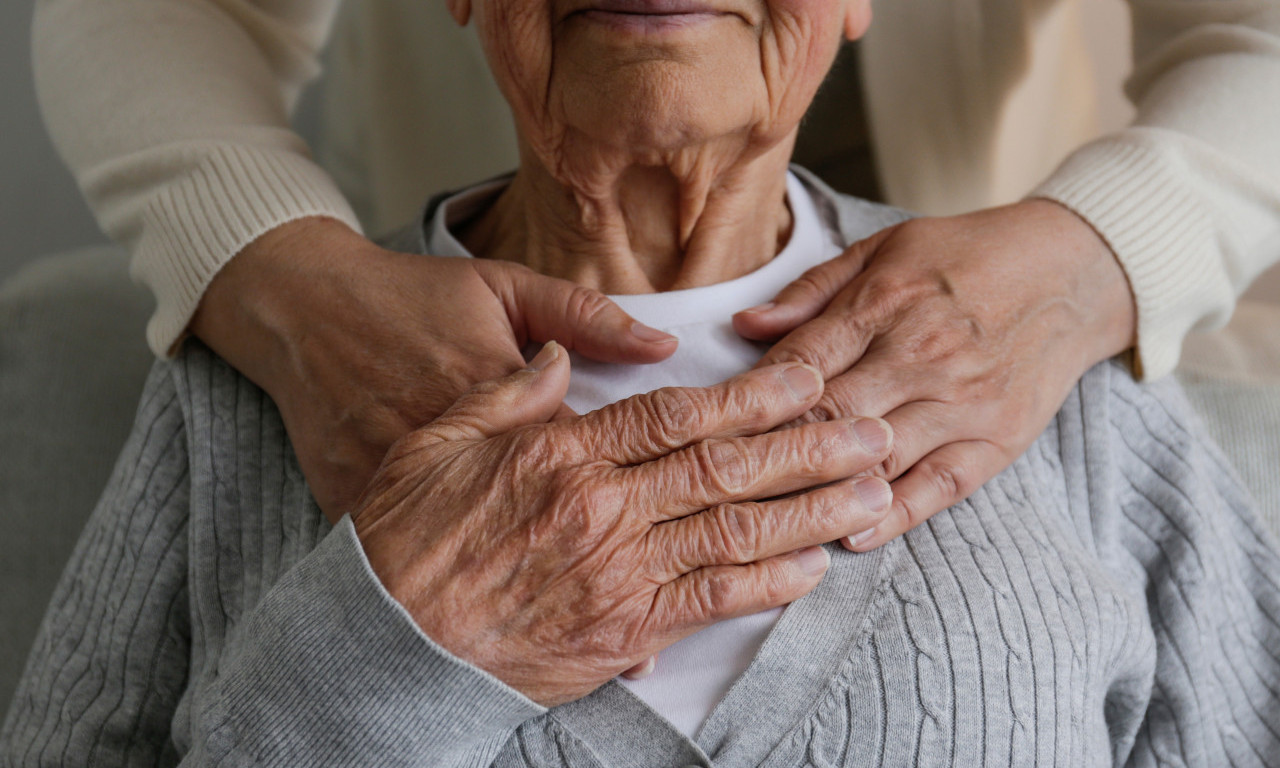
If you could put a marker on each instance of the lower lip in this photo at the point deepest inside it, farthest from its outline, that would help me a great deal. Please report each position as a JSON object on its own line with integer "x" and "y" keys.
{"x": 649, "y": 22}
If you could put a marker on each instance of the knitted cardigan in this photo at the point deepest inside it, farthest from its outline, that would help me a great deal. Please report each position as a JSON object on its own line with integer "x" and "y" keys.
{"x": 1108, "y": 599}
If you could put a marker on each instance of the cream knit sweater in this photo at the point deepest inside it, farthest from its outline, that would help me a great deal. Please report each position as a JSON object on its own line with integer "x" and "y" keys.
{"x": 174, "y": 116}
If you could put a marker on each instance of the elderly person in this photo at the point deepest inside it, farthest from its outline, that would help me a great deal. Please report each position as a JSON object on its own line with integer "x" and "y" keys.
{"x": 1109, "y": 599}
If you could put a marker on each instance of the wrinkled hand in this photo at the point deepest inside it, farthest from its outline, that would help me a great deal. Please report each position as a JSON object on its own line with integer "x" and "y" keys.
{"x": 965, "y": 333}
{"x": 358, "y": 345}
{"x": 556, "y": 555}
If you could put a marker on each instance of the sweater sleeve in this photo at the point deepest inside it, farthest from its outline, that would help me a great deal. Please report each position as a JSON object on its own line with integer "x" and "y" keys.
{"x": 174, "y": 117}
{"x": 326, "y": 669}
{"x": 1188, "y": 197}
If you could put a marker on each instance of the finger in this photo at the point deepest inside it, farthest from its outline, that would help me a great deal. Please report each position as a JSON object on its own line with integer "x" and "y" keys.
{"x": 808, "y": 295}
{"x": 713, "y": 594}
{"x": 924, "y": 426}
{"x": 543, "y": 308}
{"x": 736, "y": 534}
{"x": 645, "y": 427}
{"x": 643, "y": 669}
{"x": 875, "y": 386}
{"x": 532, "y": 395}
{"x": 946, "y": 476}
{"x": 832, "y": 342}
{"x": 727, "y": 470}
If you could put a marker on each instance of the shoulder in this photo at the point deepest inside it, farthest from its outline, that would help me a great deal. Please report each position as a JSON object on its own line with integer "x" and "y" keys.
{"x": 848, "y": 218}
{"x": 1145, "y": 480}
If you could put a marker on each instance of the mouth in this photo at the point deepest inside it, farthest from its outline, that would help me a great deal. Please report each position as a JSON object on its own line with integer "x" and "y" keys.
{"x": 650, "y": 15}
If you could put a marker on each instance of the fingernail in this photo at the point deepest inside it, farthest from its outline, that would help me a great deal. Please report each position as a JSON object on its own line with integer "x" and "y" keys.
{"x": 874, "y": 493}
{"x": 858, "y": 539}
{"x": 651, "y": 335}
{"x": 874, "y": 434}
{"x": 645, "y": 669}
{"x": 802, "y": 380}
{"x": 546, "y": 356}
{"x": 813, "y": 560}
{"x": 760, "y": 310}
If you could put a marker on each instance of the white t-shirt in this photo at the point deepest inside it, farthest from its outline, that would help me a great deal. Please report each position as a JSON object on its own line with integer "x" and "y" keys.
{"x": 694, "y": 674}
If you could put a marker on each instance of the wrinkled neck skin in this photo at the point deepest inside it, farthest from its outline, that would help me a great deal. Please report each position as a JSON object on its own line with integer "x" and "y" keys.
{"x": 625, "y": 221}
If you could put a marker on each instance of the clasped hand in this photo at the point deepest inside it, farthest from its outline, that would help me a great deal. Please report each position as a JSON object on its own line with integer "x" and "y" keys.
{"x": 556, "y": 554}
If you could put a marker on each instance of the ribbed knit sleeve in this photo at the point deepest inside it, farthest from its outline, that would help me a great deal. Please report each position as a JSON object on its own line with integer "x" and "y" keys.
{"x": 1188, "y": 198}
{"x": 174, "y": 118}
{"x": 298, "y": 657}
{"x": 337, "y": 673}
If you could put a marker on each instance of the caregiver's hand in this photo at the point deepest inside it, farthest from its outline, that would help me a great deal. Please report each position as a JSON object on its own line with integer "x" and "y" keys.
{"x": 358, "y": 345}
{"x": 557, "y": 554}
{"x": 965, "y": 333}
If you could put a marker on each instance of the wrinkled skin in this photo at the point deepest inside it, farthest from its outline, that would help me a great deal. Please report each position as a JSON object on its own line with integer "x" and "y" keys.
{"x": 557, "y": 554}
{"x": 358, "y": 345}
{"x": 965, "y": 333}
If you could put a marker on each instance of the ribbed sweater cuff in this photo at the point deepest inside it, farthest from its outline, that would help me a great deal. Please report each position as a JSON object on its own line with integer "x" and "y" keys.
{"x": 196, "y": 225}
{"x": 333, "y": 671}
{"x": 1133, "y": 189}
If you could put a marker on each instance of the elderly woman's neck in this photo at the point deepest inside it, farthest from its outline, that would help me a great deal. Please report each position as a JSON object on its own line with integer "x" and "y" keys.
{"x": 641, "y": 228}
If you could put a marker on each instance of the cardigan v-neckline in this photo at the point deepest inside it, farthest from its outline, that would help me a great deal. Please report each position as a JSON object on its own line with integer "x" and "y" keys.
{"x": 619, "y": 727}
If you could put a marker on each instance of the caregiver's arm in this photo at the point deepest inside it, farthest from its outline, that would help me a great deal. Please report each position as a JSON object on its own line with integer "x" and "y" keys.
{"x": 359, "y": 345}
{"x": 967, "y": 331}
{"x": 174, "y": 117}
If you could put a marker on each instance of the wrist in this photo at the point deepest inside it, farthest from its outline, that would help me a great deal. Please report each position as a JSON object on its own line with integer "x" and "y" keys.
{"x": 1096, "y": 281}
{"x": 256, "y": 306}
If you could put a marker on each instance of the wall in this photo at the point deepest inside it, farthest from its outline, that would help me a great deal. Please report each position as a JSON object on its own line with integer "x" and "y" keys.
{"x": 40, "y": 208}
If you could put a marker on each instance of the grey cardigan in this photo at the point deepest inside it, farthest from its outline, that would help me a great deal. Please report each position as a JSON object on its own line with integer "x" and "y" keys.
{"x": 1108, "y": 599}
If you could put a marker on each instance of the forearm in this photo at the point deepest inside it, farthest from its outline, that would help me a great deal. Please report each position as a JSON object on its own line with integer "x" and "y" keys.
{"x": 1188, "y": 197}
{"x": 174, "y": 117}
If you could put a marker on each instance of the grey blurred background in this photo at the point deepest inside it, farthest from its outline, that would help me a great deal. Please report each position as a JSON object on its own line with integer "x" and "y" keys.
{"x": 40, "y": 208}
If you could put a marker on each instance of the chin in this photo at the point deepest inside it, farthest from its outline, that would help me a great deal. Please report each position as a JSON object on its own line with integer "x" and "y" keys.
{"x": 661, "y": 107}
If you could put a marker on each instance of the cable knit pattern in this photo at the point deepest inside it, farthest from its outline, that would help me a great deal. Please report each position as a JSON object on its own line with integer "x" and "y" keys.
{"x": 1108, "y": 599}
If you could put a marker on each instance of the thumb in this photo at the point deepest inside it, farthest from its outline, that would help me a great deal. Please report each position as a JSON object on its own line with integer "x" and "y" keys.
{"x": 542, "y": 308}
{"x": 531, "y": 395}
{"x": 805, "y": 297}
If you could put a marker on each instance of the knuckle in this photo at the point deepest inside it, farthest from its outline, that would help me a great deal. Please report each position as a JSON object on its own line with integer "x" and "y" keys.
{"x": 813, "y": 452}
{"x": 723, "y": 466}
{"x": 742, "y": 401}
{"x": 818, "y": 414}
{"x": 838, "y": 403}
{"x": 952, "y": 481}
{"x": 912, "y": 513}
{"x": 892, "y": 466}
{"x": 717, "y": 594}
{"x": 823, "y": 339}
{"x": 586, "y": 304}
{"x": 828, "y": 514}
{"x": 735, "y": 532}
{"x": 669, "y": 415}
{"x": 815, "y": 283}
